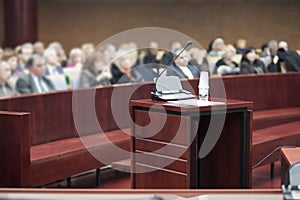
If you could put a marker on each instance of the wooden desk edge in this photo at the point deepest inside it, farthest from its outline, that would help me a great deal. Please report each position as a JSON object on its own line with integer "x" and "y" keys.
{"x": 182, "y": 192}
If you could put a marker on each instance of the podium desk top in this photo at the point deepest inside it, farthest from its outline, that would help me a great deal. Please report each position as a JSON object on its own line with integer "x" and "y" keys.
{"x": 192, "y": 105}
{"x": 291, "y": 155}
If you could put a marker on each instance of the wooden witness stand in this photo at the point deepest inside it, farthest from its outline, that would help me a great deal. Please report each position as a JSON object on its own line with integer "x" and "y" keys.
{"x": 172, "y": 153}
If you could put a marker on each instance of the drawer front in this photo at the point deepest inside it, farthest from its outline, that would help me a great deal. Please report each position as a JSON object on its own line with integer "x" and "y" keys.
{"x": 163, "y": 148}
{"x": 161, "y": 161}
{"x": 162, "y": 127}
{"x": 163, "y": 179}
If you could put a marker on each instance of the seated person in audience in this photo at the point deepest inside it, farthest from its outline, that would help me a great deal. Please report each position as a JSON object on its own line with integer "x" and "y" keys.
{"x": 151, "y": 54}
{"x": 122, "y": 71}
{"x": 38, "y": 48}
{"x": 226, "y": 66}
{"x": 109, "y": 53}
{"x": 167, "y": 58}
{"x": 125, "y": 69}
{"x": 95, "y": 70}
{"x": 35, "y": 81}
{"x": 6, "y": 89}
{"x": 75, "y": 58}
{"x": 250, "y": 64}
{"x": 283, "y": 45}
{"x": 62, "y": 58}
{"x": 24, "y": 54}
{"x": 1, "y": 53}
{"x": 273, "y": 64}
{"x": 240, "y": 45}
{"x": 198, "y": 59}
{"x": 217, "y": 48}
{"x": 182, "y": 68}
{"x": 290, "y": 60}
{"x": 87, "y": 49}
{"x": 265, "y": 51}
{"x": 13, "y": 63}
{"x": 52, "y": 64}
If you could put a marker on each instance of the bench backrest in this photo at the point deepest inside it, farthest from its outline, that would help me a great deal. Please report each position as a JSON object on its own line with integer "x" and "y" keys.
{"x": 267, "y": 91}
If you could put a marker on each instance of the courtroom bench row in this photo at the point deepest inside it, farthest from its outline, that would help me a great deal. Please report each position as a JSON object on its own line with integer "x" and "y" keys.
{"x": 43, "y": 129}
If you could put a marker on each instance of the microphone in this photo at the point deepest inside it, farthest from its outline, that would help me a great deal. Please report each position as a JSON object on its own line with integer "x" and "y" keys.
{"x": 172, "y": 82}
{"x": 189, "y": 43}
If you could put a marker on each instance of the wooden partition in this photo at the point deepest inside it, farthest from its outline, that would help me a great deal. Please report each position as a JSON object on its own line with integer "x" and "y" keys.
{"x": 42, "y": 118}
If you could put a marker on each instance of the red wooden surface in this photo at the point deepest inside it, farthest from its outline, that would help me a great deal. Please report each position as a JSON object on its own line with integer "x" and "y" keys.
{"x": 51, "y": 114}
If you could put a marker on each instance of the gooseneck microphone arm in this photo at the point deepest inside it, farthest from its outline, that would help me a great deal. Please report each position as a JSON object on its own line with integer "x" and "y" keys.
{"x": 189, "y": 43}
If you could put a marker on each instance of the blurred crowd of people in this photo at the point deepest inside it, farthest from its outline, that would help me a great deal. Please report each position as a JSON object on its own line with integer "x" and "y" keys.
{"x": 29, "y": 67}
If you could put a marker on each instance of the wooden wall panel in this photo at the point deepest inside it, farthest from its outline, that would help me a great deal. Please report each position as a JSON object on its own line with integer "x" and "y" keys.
{"x": 76, "y": 21}
{"x": 1, "y": 23}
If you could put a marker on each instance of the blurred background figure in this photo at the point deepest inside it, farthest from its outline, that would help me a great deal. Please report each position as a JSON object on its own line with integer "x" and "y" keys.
{"x": 265, "y": 51}
{"x": 226, "y": 66}
{"x": 217, "y": 47}
{"x": 52, "y": 64}
{"x": 35, "y": 81}
{"x": 122, "y": 69}
{"x": 13, "y": 63}
{"x": 152, "y": 57}
{"x": 288, "y": 60}
{"x": 109, "y": 54}
{"x": 38, "y": 48}
{"x": 87, "y": 49}
{"x": 126, "y": 68}
{"x": 62, "y": 58}
{"x": 151, "y": 54}
{"x": 6, "y": 89}
{"x": 1, "y": 53}
{"x": 182, "y": 68}
{"x": 274, "y": 65}
{"x": 167, "y": 58}
{"x": 75, "y": 58}
{"x": 250, "y": 64}
{"x": 96, "y": 69}
{"x": 283, "y": 45}
{"x": 24, "y": 54}
{"x": 198, "y": 59}
{"x": 240, "y": 45}
{"x": 265, "y": 55}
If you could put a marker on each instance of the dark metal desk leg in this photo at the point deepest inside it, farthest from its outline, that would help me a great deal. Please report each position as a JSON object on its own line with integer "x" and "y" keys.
{"x": 98, "y": 182}
{"x": 272, "y": 170}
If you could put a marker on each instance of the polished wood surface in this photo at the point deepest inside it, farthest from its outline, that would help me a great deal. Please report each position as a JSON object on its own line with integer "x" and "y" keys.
{"x": 50, "y": 115}
{"x": 183, "y": 193}
{"x": 22, "y": 27}
{"x": 289, "y": 156}
{"x": 273, "y": 117}
{"x": 14, "y": 148}
{"x": 222, "y": 168}
{"x": 267, "y": 140}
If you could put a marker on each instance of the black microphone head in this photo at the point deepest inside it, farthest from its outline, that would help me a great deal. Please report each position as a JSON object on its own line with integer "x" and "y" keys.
{"x": 189, "y": 43}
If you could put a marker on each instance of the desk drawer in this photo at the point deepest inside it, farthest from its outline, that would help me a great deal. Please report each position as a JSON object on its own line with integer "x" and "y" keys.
{"x": 171, "y": 150}
{"x": 166, "y": 128}
{"x": 161, "y": 161}
{"x": 147, "y": 180}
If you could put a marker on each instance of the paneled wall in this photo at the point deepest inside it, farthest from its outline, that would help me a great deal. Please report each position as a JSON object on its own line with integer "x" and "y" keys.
{"x": 76, "y": 21}
{"x": 1, "y": 22}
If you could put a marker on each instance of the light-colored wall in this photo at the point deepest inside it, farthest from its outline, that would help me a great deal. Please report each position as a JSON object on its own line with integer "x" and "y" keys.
{"x": 76, "y": 21}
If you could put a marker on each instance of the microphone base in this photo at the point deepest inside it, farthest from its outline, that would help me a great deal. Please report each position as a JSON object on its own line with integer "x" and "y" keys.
{"x": 171, "y": 97}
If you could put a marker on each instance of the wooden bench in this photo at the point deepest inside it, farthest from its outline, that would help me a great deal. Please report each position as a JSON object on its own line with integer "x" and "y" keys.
{"x": 31, "y": 124}
{"x": 276, "y": 109}
{"x": 40, "y": 143}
